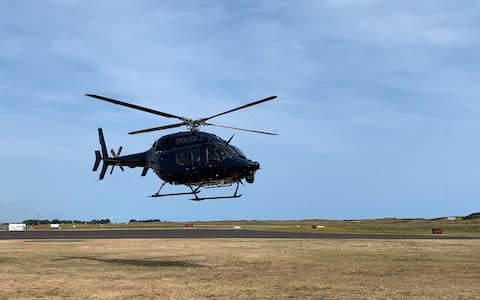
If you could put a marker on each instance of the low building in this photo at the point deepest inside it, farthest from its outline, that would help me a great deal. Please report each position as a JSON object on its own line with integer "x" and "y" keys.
{"x": 17, "y": 227}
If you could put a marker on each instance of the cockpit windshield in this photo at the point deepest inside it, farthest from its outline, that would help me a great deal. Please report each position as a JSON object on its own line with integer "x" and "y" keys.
{"x": 237, "y": 151}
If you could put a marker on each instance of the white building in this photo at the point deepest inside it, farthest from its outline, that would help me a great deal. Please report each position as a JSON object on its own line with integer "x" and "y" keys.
{"x": 17, "y": 227}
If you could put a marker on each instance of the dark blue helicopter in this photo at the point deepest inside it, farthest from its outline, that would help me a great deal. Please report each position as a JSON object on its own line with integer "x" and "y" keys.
{"x": 192, "y": 158}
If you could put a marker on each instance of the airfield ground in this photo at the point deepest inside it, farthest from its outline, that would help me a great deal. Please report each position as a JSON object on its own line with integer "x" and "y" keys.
{"x": 249, "y": 268}
{"x": 239, "y": 269}
{"x": 457, "y": 227}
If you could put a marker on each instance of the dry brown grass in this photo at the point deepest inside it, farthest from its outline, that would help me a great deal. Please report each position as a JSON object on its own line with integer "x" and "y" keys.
{"x": 239, "y": 269}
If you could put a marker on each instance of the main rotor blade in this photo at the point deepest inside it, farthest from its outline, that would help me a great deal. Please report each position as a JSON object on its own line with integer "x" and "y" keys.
{"x": 241, "y": 107}
{"x": 134, "y": 106}
{"x": 157, "y": 128}
{"x": 249, "y": 130}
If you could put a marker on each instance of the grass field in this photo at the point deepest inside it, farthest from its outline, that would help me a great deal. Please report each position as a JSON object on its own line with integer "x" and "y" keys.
{"x": 240, "y": 269}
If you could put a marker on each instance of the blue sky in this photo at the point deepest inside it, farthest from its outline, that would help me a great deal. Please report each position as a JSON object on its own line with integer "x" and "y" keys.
{"x": 377, "y": 111}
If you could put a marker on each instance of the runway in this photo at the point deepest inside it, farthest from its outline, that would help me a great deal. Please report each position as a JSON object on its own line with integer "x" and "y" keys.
{"x": 203, "y": 233}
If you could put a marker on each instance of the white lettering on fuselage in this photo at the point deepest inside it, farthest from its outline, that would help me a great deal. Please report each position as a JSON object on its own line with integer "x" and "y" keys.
{"x": 187, "y": 139}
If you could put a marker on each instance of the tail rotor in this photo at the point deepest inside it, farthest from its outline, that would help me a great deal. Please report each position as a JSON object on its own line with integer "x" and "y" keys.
{"x": 116, "y": 155}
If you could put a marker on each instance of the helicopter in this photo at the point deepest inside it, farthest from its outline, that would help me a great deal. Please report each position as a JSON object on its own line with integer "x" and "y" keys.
{"x": 193, "y": 158}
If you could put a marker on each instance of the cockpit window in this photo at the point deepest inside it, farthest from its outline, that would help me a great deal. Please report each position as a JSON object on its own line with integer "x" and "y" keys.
{"x": 217, "y": 153}
{"x": 223, "y": 152}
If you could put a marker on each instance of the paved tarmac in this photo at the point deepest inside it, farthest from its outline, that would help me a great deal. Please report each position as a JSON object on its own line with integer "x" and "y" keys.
{"x": 203, "y": 233}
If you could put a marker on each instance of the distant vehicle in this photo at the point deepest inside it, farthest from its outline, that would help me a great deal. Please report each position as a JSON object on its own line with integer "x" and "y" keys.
{"x": 17, "y": 227}
{"x": 192, "y": 158}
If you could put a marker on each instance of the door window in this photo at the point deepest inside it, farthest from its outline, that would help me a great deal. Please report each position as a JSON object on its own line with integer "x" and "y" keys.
{"x": 212, "y": 155}
{"x": 197, "y": 155}
{"x": 183, "y": 158}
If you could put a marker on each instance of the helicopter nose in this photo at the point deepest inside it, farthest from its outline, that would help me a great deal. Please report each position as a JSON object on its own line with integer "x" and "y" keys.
{"x": 253, "y": 166}
{"x": 245, "y": 166}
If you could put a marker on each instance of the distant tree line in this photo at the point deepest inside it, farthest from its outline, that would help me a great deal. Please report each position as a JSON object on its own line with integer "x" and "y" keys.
{"x": 472, "y": 216}
{"x": 57, "y": 221}
{"x": 144, "y": 221}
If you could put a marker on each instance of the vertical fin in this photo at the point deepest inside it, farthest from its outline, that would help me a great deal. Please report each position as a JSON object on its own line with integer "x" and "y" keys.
{"x": 104, "y": 153}
{"x": 98, "y": 159}
{"x": 102, "y": 143}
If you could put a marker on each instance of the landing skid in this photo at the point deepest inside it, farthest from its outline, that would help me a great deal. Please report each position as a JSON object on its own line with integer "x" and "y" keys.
{"x": 235, "y": 195}
{"x": 219, "y": 197}
{"x": 174, "y": 194}
{"x": 195, "y": 192}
